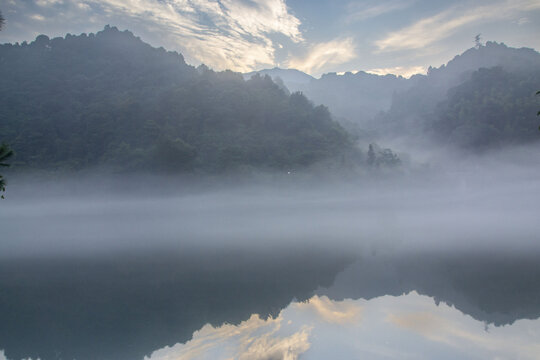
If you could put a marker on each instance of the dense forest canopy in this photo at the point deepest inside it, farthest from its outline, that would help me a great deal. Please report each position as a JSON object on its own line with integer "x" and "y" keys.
{"x": 481, "y": 99}
{"x": 493, "y": 108}
{"x": 111, "y": 100}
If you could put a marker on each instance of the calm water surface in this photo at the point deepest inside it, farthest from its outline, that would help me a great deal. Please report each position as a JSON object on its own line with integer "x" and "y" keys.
{"x": 376, "y": 273}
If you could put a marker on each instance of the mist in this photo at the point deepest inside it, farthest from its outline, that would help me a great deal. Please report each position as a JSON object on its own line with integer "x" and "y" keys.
{"x": 153, "y": 209}
{"x": 109, "y": 255}
{"x": 488, "y": 202}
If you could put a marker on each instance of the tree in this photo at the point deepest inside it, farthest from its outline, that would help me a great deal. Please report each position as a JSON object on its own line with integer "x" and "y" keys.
{"x": 371, "y": 155}
{"x": 478, "y": 41}
{"x": 538, "y": 113}
{"x": 5, "y": 153}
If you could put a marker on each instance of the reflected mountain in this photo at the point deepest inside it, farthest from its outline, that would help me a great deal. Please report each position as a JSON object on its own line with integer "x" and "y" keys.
{"x": 123, "y": 307}
{"x": 496, "y": 288}
{"x": 133, "y": 305}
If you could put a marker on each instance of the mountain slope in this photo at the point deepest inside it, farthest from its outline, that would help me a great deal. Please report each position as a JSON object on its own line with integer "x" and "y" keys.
{"x": 111, "y": 100}
{"x": 493, "y": 108}
{"x": 430, "y": 105}
{"x": 352, "y": 97}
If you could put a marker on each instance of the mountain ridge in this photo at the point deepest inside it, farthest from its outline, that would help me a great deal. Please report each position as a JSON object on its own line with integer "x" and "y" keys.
{"x": 109, "y": 99}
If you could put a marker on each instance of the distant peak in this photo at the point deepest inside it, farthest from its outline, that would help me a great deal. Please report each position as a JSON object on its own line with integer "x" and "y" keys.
{"x": 109, "y": 28}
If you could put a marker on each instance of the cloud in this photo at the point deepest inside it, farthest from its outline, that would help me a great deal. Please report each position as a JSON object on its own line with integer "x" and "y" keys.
{"x": 323, "y": 54}
{"x": 523, "y": 21}
{"x": 399, "y": 70}
{"x": 37, "y": 17}
{"x": 46, "y": 3}
{"x": 440, "y": 26}
{"x": 359, "y": 12}
{"x": 225, "y": 34}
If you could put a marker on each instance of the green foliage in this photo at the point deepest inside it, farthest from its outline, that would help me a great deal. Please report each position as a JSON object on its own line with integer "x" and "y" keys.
{"x": 493, "y": 108}
{"x": 111, "y": 100}
{"x": 480, "y": 99}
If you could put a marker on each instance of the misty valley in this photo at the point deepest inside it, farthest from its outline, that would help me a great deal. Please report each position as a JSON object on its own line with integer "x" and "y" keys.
{"x": 156, "y": 210}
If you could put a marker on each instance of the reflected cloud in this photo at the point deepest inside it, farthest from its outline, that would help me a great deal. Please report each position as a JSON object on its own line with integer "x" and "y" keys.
{"x": 410, "y": 325}
{"x": 3, "y": 356}
{"x": 253, "y": 339}
{"x": 331, "y": 311}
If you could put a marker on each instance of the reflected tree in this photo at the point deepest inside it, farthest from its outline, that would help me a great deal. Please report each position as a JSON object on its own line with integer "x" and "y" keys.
{"x": 5, "y": 151}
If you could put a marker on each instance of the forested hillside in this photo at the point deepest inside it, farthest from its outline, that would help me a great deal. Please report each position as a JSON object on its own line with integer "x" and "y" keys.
{"x": 493, "y": 108}
{"x": 480, "y": 99}
{"x": 111, "y": 100}
{"x": 355, "y": 98}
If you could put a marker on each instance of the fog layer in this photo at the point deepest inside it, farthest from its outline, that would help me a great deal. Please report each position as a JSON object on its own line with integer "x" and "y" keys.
{"x": 485, "y": 203}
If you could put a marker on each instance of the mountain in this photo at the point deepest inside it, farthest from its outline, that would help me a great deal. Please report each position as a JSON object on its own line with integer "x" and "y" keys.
{"x": 436, "y": 106}
{"x": 492, "y": 109}
{"x": 356, "y": 97}
{"x": 293, "y": 79}
{"x": 110, "y": 100}
{"x": 351, "y": 97}
{"x": 475, "y": 101}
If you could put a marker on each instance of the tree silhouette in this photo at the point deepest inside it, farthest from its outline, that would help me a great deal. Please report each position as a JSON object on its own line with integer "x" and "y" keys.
{"x": 478, "y": 41}
{"x": 5, "y": 153}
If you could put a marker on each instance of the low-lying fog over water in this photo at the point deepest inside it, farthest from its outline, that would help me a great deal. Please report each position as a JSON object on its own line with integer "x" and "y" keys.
{"x": 407, "y": 262}
{"x": 483, "y": 203}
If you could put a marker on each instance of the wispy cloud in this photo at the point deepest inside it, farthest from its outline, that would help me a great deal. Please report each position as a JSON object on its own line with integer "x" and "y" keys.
{"x": 407, "y": 71}
{"x": 225, "y": 34}
{"x": 319, "y": 56}
{"x": 37, "y": 17}
{"x": 361, "y": 11}
{"x": 228, "y": 34}
{"x": 523, "y": 21}
{"x": 442, "y": 25}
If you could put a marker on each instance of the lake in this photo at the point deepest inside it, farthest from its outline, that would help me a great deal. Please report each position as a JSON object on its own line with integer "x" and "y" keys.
{"x": 382, "y": 270}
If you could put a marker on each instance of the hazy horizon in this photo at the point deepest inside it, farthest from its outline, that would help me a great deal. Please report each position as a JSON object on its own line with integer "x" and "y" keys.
{"x": 396, "y": 37}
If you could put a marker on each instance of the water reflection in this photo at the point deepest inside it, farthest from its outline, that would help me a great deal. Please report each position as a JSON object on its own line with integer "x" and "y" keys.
{"x": 124, "y": 306}
{"x": 131, "y": 305}
{"x": 387, "y": 327}
{"x": 491, "y": 286}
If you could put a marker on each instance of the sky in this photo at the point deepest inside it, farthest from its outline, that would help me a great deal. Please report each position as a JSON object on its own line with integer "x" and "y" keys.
{"x": 315, "y": 36}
